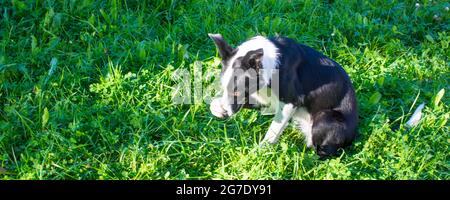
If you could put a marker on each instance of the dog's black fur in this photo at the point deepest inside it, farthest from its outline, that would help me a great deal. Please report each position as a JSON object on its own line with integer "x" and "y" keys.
{"x": 310, "y": 79}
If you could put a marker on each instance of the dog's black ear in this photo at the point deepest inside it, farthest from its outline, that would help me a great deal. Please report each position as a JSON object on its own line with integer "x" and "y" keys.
{"x": 225, "y": 50}
{"x": 253, "y": 59}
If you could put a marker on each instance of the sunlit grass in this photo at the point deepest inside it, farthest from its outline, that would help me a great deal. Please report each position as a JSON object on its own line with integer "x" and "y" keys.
{"x": 86, "y": 85}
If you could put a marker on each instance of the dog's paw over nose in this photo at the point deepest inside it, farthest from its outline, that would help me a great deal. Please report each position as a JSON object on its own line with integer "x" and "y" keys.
{"x": 217, "y": 109}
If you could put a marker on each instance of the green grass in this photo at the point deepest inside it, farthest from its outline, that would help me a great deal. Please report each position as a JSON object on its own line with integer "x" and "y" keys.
{"x": 85, "y": 89}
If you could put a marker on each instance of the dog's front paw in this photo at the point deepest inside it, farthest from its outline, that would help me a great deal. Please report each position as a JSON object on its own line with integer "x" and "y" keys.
{"x": 270, "y": 138}
{"x": 267, "y": 142}
{"x": 263, "y": 144}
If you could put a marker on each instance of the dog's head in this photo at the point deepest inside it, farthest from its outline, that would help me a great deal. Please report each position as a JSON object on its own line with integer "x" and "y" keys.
{"x": 330, "y": 134}
{"x": 239, "y": 76}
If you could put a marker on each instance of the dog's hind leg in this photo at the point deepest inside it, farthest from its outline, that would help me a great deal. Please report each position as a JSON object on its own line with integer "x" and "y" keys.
{"x": 282, "y": 117}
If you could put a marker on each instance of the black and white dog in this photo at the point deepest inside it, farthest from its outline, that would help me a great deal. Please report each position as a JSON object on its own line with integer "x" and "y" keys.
{"x": 312, "y": 89}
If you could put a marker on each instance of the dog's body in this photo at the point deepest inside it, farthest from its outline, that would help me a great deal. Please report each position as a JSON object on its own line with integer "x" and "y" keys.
{"x": 313, "y": 90}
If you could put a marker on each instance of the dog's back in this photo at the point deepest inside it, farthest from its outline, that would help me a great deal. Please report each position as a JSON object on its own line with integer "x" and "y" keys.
{"x": 312, "y": 80}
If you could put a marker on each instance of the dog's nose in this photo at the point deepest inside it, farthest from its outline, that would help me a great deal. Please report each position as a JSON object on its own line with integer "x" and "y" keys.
{"x": 225, "y": 115}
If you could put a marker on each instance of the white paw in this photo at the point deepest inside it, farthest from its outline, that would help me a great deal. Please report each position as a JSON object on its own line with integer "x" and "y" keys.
{"x": 268, "y": 141}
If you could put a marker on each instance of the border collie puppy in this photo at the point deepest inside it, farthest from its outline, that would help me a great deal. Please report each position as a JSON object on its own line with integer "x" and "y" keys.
{"x": 308, "y": 87}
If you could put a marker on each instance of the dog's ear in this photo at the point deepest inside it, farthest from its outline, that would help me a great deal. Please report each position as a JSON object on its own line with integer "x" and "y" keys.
{"x": 253, "y": 59}
{"x": 225, "y": 50}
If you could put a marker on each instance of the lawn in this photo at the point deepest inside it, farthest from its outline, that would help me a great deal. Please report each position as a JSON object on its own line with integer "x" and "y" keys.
{"x": 86, "y": 89}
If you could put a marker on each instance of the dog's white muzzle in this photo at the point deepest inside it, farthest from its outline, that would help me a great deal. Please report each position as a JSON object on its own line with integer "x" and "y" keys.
{"x": 218, "y": 108}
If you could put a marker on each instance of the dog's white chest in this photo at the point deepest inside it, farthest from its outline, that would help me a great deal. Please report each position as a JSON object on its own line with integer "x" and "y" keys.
{"x": 302, "y": 119}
